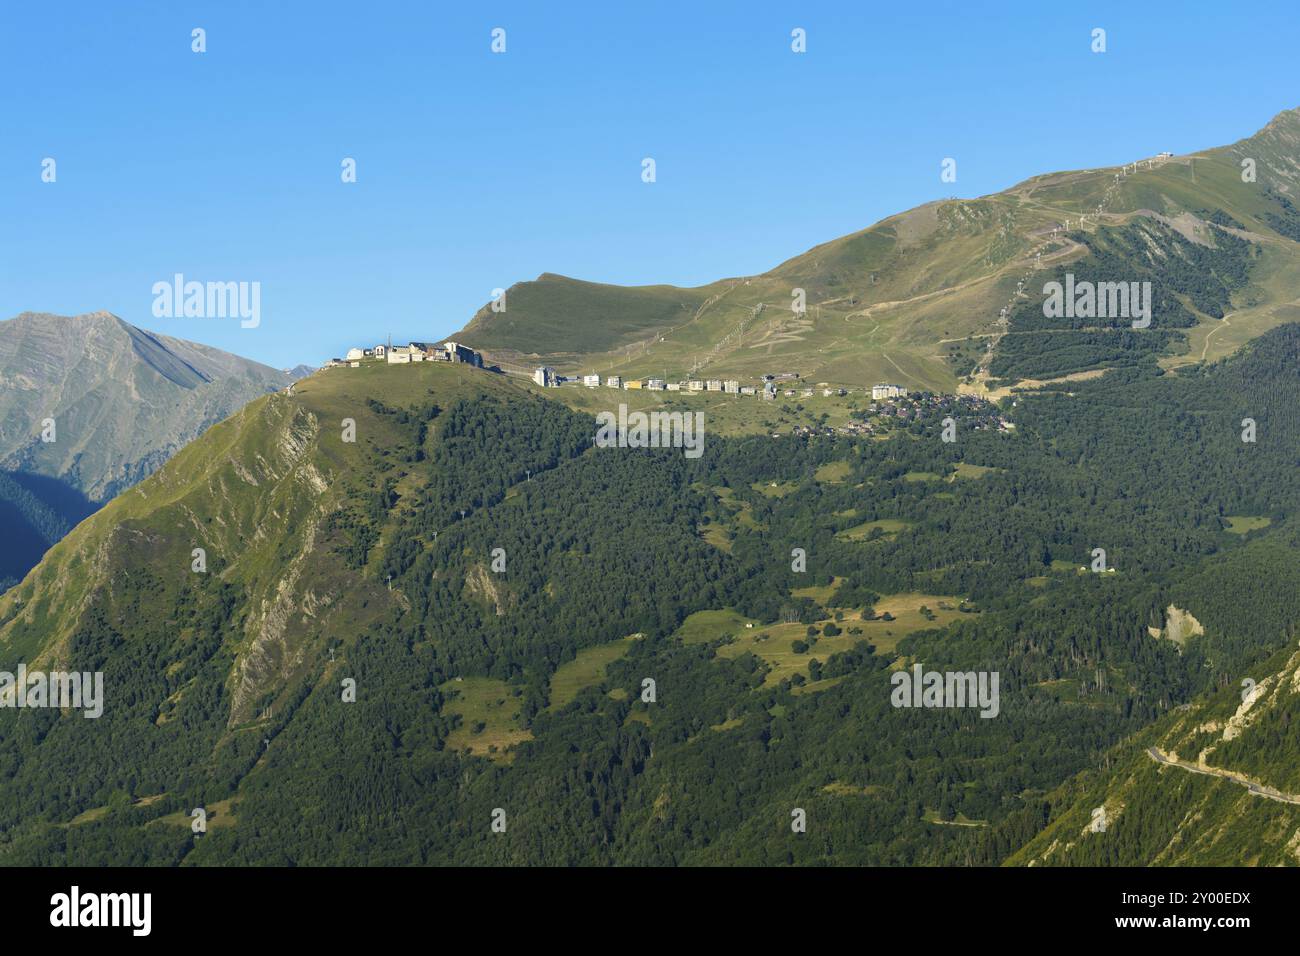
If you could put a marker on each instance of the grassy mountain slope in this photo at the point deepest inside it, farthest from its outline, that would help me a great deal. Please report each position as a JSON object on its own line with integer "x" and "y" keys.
{"x": 918, "y": 297}
{"x": 539, "y": 317}
{"x": 252, "y": 491}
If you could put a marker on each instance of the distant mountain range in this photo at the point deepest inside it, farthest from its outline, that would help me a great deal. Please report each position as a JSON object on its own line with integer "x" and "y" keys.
{"x": 90, "y": 405}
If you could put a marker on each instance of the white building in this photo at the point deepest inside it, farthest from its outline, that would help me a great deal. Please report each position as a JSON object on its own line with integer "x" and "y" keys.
{"x": 880, "y": 392}
{"x": 591, "y": 381}
{"x": 713, "y": 385}
{"x": 731, "y": 387}
{"x": 545, "y": 376}
{"x": 355, "y": 355}
{"x": 695, "y": 385}
{"x": 399, "y": 355}
{"x": 655, "y": 384}
{"x": 614, "y": 381}
{"x": 381, "y": 351}
{"x": 674, "y": 386}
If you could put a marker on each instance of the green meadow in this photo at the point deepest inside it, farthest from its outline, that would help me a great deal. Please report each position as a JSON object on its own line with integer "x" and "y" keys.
{"x": 489, "y": 716}
{"x": 585, "y": 670}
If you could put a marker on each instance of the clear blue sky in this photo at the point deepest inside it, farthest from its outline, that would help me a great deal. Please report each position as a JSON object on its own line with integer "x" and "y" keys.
{"x": 479, "y": 170}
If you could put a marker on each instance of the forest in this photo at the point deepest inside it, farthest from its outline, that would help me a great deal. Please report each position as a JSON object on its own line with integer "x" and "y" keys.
{"x": 1188, "y": 279}
{"x": 516, "y": 550}
{"x": 35, "y": 512}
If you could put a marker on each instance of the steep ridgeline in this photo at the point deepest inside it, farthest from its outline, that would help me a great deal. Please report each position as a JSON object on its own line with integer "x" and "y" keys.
{"x": 919, "y": 298}
{"x": 640, "y": 657}
{"x": 121, "y": 402}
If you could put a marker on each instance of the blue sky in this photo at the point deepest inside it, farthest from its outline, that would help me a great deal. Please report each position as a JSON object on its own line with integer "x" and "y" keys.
{"x": 477, "y": 170}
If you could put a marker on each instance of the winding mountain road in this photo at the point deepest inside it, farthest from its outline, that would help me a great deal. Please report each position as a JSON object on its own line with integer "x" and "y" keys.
{"x": 1258, "y": 789}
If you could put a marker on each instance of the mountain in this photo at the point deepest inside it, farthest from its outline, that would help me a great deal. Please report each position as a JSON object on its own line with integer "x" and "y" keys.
{"x": 121, "y": 401}
{"x": 424, "y": 598}
{"x": 362, "y": 622}
{"x": 918, "y": 298}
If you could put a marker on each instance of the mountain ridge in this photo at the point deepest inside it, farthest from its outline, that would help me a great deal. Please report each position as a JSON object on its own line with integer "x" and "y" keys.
{"x": 918, "y": 293}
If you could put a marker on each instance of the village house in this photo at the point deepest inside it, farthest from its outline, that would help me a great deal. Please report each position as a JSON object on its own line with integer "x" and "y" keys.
{"x": 614, "y": 381}
{"x": 591, "y": 381}
{"x": 545, "y": 377}
{"x": 399, "y": 355}
{"x": 883, "y": 391}
{"x": 463, "y": 353}
{"x": 695, "y": 385}
{"x": 731, "y": 387}
{"x": 354, "y": 355}
{"x": 713, "y": 385}
{"x": 655, "y": 384}
{"x": 381, "y": 351}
